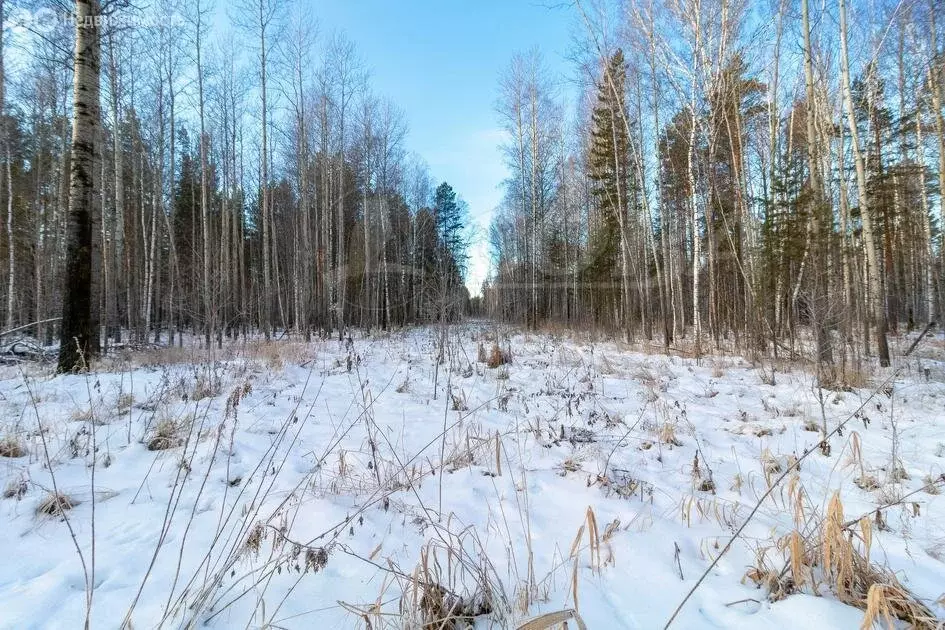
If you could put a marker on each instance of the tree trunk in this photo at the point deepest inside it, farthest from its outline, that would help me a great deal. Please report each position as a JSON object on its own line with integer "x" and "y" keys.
{"x": 935, "y": 89}
{"x": 877, "y": 308}
{"x": 264, "y": 299}
{"x": 11, "y": 263}
{"x": 206, "y": 290}
{"x": 819, "y": 260}
{"x": 77, "y": 336}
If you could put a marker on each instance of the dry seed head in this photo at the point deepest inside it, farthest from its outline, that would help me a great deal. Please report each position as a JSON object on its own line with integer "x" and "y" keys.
{"x": 856, "y": 452}
{"x": 255, "y": 538}
{"x": 866, "y": 531}
{"x": 878, "y": 608}
{"x": 796, "y": 494}
{"x": 799, "y": 565}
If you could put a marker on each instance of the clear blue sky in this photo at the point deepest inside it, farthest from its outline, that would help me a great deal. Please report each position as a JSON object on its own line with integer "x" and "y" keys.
{"x": 441, "y": 60}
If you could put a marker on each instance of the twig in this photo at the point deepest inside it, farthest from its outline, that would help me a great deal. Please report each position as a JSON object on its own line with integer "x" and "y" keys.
{"x": 42, "y": 321}
{"x": 899, "y": 501}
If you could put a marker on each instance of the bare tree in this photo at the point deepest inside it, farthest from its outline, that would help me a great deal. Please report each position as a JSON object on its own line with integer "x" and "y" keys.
{"x": 260, "y": 17}
{"x": 875, "y": 296}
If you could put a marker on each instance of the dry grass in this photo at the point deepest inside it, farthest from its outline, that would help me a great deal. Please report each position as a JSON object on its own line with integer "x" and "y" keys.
{"x": 12, "y": 447}
{"x": 570, "y": 465}
{"x": 449, "y": 588}
{"x": 458, "y": 401}
{"x": 441, "y": 609}
{"x": 206, "y": 386}
{"x": 887, "y": 602}
{"x": 555, "y": 619}
{"x": 55, "y": 504}
{"x": 167, "y": 434}
{"x": 791, "y": 411}
{"x": 81, "y": 415}
{"x": 846, "y": 379}
{"x": 773, "y": 465}
{"x": 124, "y": 403}
{"x": 604, "y": 365}
{"x": 667, "y": 435}
{"x": 932, "y": 483}
{"x": 864, "y": 481}
{"x": 836, "y": 555}
{"x": 647, "y": 377}
{"x": 15, "y": 489}
{"x": 277, "y": 355}
{"x": 867, "y": 483}
{"x": 498, "y": 356}
{"x": 255, "y": 539}
{"x": 446, "y": 591}
{"x": 701, "y": 482}
{"x": 273, "y": 354}
{"x": 595, "y": 540}
{"x": 767, "y": 375}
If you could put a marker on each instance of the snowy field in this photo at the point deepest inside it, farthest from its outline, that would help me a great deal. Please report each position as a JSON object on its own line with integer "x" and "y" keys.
{"x": 367, "y": 485}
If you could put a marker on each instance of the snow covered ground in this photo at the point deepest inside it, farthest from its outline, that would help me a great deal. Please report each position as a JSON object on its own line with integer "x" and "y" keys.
{"x": 339, "y": 485}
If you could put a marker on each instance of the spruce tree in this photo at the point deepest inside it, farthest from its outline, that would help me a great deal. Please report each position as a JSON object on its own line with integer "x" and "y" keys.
{"x": 449, "y": 213}
{"x": 608, "y": 169}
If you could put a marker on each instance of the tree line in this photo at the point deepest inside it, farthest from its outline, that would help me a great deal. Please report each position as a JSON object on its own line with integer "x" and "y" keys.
{"x": 766, "y": 174}
{"x": 169, "y": 172}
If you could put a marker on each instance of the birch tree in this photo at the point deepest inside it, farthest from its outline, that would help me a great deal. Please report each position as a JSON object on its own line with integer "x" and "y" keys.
{"x": 78, "y": 339}
{"x": 877, "y": 308}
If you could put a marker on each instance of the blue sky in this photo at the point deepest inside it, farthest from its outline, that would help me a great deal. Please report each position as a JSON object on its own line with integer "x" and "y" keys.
{"x": 440, "y": 60}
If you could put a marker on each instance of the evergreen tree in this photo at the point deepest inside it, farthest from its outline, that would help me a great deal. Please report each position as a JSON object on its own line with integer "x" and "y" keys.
{"x": 450, "y": 216}
{"x": 608, "y": 170}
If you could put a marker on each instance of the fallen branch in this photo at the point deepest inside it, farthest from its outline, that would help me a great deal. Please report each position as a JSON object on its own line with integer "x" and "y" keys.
{"x": 928, "y": 327}
{"x": 42, "y": 321}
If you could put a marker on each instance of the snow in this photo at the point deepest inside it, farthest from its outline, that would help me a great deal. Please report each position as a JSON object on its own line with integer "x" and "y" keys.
{"x": 321, "y": 447}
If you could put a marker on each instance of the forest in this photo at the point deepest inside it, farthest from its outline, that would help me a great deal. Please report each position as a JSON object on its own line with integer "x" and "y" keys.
{"x": 742, "y": 172}
{"x": 216, "y": 199}
{"x": 738, "y": 174}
